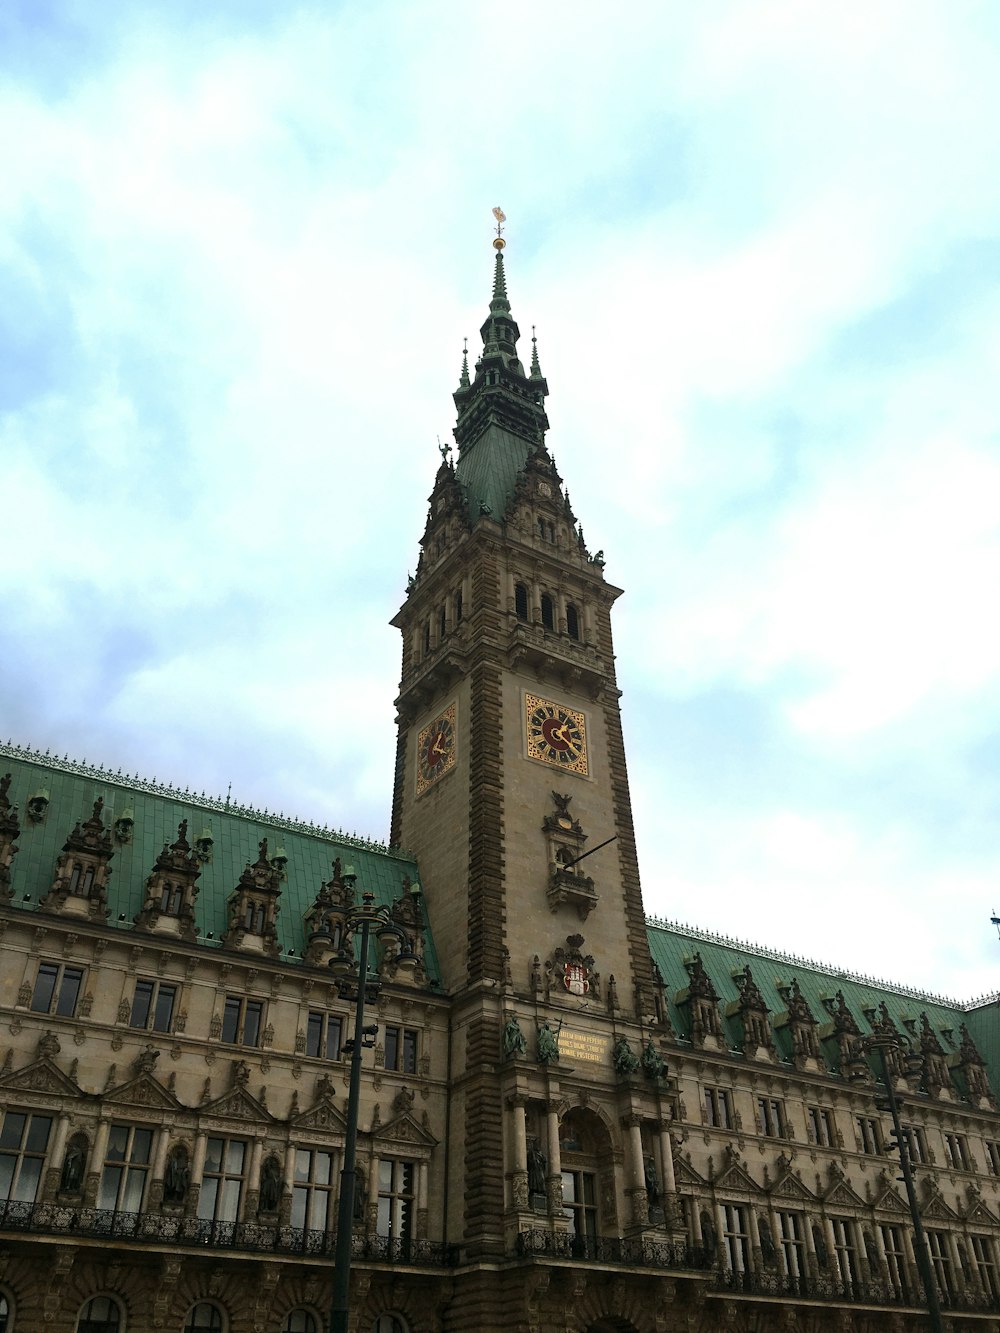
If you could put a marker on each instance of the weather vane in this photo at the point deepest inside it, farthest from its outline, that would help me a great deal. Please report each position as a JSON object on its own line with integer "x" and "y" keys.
{"x": 501, "y": 218}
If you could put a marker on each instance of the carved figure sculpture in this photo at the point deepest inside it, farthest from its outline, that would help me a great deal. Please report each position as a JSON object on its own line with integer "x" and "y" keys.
{"x": 547, "y": 1045}
{"x": 177, "y": 1177}
{"x": 538, "y": 1166}
{"x": 270, "y": 1186}
{"x": 513, "y": 1037}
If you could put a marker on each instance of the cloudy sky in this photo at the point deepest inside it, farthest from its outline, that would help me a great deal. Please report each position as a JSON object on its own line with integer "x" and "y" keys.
{"x": 240, "y": 245}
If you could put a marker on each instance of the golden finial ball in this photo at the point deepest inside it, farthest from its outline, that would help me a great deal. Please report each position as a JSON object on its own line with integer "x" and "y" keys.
{"x": 499, "y": 243}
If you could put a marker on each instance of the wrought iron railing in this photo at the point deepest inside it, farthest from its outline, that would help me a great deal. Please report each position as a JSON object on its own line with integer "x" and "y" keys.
{"x": 538, "y": 1243}
{"x": 194, "y": 1232}
{"x": 825, "y": 1287}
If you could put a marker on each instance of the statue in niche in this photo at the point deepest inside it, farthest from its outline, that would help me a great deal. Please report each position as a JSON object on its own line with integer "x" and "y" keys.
{"x": 270, "y": 1186}
{"x": 538, "y": 1166}
{"x": 624, "y": 1058}
{"x": 74, "y": 1164}
{"x": 513, "y": 1037}
{"x": 651, "y": 1181}
{"x": 360, "y": 1198}
{"x": 708, "y": 1236}
{"x": 547, "y": 1045}
{"x": 177, "y": 1177}
{"x": 819, "y": 1245}
{"x": 767, "y": 1251}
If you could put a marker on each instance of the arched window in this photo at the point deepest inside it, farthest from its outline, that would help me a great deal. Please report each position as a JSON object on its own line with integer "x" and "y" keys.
{"x": 101, "y": 1314}
{"x": 390, "y": 1323}
{"x": 299, "y": 1321}
{"x": 548, "y": 612}
{"x": 4, "y": 1313}
{"x": 521, "y": 601}
{"x": 572, "y": 622}
{"x": 204, "y": 1318}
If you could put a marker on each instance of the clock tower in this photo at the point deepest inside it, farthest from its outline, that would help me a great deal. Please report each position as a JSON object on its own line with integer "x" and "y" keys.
{"x": 510, "y": 762}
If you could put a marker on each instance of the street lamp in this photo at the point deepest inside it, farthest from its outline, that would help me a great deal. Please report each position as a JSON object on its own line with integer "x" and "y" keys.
{"x": 366, "y": 915}
{"x": 883, "y": 1043}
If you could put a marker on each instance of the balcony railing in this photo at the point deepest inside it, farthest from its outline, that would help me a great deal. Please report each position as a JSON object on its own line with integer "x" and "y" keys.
{"x": 537, "y": 1243}
{"x": 192, "y": 1232}
{"x": 828, "y": 1288}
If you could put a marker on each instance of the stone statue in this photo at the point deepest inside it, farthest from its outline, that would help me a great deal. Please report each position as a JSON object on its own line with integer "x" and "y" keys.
{"x": 708, "y": 1237}
{"x": 819, "y": 1245}
{"x": 360, "y": 1197}
{"x": 767, "y": 1252}
{"x": 652, "y": 1184}
{"x": 624, "y": 1058}
{"x": 270, "y": 1186}
{"x": 73, "y": 1167}
{"x": 513, "y": 1037}
{"x": 538, "y": 1166}
{"x": 547, "y": 1045}
{"x": 177, "y": 1177}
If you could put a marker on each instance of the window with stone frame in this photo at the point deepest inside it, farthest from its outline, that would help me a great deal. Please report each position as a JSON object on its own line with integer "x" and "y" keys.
{"x": 845, "y": 1249}
{"x": 153, "y": 1003}
{"x": 895, "y": 1260}
{"x": 395, "y": 1217}
{"x": 222, "y": 1180}
{"x": 572, "y": 621}
{"x": 579, "y": 1191}
{"x": 992, "y": 1156}
{"x": 718, "y": 1104}
{"x": 792, "y": 1241}
{"x": 956, "y": 1148}
{"x": 390, "y": 1323}
{"x": 940, "y": 1256}
{"x": 771, "y": 1117}
{"x": 735, "y": 1237}
{"x": 984, "y": 1254}
{"x": 57, "y": 989}
{"x": 323, "y": 1035}
{"x": 822, "y": 1130}
{"x": 300, "y": 1321}
{"x": 521, "y": 601}
{"x": 314, "y": 1188}
{"x": 5, "y": 1324}
{"x": 401, "y": 1046}
{"x": 205, "y": 1317}
{"x": 24, "y": 1141}
{"x": 916, "y": 1144}
{"x": 125, "y": 1170}
{"x": 171, "y": 898}
{"x": 101, "y": 1314}
{"x": 870, "y": 1135}
{"x": 548, "y": 612}
{"x": 242, "y": 1021}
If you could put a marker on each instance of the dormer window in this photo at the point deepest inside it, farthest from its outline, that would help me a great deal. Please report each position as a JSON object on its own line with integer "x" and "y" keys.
{"x": 548, "y": 612}
{"x": 253, "y": 918}
{"x": 572, "y": 622}
{"x": 171, "y": 897}
{"x": 81, "y": 881}
{"x": 521, "y": 601}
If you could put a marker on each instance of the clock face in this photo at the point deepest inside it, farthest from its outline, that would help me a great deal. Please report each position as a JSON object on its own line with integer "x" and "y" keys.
{"x": 436, "y": 750}
{"x": 556, "y": 735}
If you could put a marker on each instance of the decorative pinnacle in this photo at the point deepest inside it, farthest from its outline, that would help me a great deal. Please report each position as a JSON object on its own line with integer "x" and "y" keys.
{"x": 463, "y": 381}
{"x": 536, "y": 369}
{"x": 501, "y": 218}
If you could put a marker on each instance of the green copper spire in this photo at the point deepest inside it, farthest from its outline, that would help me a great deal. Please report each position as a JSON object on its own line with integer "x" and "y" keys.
{"x": 500, "y": 284}
{"x": 536, "y": 369}
{"x": 463, "y": 379}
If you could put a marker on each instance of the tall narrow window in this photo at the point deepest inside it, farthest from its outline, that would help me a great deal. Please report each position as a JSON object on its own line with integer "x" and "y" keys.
{"x": 895, "y": 1260}
{"x": 442, "y": 622}
{"x": 153, "y": 1005}
{"x": 791, "y": 1231}
{"x": 458, "y": 607}
{"x": 957, "y": 1148}
{"x": 718, "y": 1108}
{"x": 171, "y": 897}
{"x": 401, "y": 1049}
{"x": 24, "y": 1140}
{"x": 735, "y": 1237}
{"x": 395, "y": 1200}
{"x": 820, "y": 1122}
{"x": 548, "y": 612}
{"x": 57, "y": 989}
{"x": 222, "y": 1180}
{"x": 580, "y": 1206}
{"x": 771, "y": 1117}
{"x": 937, "y": 1245}
{"x": 572, "y": 621}
{"x": 125, "y": 1169}
{"x": 984, "y": 1255}
{"x": 869, "y": 1134}
{"x": 521, "y": 601}
{"x": 427, "y": 636}
{"x": 846, "y": 1249}
{"x": 313, "y": 1191}
{"x": 323, "y": 1033}
{"x": 242, "y": 1021}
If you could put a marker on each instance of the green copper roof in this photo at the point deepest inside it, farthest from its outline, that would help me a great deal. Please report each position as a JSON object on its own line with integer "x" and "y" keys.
{"x": 672, "y": 944}
{"x": 236, "y": 832}
{"x": 490, "y": 468}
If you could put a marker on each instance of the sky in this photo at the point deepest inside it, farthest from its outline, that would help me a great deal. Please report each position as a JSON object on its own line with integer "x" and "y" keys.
{"x": 240, "y": 246}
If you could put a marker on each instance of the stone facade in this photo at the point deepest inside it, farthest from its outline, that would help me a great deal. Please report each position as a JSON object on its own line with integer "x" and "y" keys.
{"x": 571, "y": 1118}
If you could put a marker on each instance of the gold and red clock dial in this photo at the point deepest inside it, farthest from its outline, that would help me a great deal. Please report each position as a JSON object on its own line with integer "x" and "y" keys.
{"x": 555, "y": 734}
{"x": 436, "y": 749}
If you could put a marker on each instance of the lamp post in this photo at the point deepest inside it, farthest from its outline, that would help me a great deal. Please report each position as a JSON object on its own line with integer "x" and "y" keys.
{"x": 883, "y": 1044}
{"x": 366, "y": 915}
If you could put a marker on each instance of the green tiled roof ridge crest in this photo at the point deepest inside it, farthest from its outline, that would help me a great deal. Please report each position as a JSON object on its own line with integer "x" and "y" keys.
{"x": 82, "y": 769}
{"x": 828, "y": 969}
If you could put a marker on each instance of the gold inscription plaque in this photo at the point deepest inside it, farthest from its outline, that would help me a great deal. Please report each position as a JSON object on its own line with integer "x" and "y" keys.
{"x": 584, "y": 1046}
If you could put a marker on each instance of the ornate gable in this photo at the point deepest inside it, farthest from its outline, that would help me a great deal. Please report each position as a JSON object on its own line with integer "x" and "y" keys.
{"x": 842, "y": 1196}
{"x": 888, "y": 1201}
{"x": 686, "y": 1174}
{"x": 41, "y": 1076}
{"x": 143, "y": 1090}
{"x": 404, "y": 1130}
{"x": 790, "y": 1186}
{"x": 936, "y": 1210}
{"x": 978, "y": 1212}
{"x": 735, "y": 1176}
{"x": 322, "y": 1115}
{"x": 238, "y": 1104}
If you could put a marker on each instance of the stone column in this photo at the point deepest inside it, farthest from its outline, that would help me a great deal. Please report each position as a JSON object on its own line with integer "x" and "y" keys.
{"x": 636, "y": 1189}
{"x": 251, "y": 1195}
{"x": 98, "y": 1152}
{"x": 422, "y": 1171}
{"x": 285, "y": 1208}
{"x": 161, "y": 1146}
{"x": 518, "y": 1141}
{"x": 53, "y": 1170}
{"x": 371, "y": 1216}
{"x": 555, "y": 1159}
{"x": 753, "y": 1229}
{"x": 197, "y": 1171}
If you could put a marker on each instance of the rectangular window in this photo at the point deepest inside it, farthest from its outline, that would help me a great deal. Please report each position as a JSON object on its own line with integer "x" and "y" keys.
{"x": 791, "y": 1231}
{"x": 718, "y": 1108}
{"x": 870, "y": 1135}
{"x": 153, "y": 1005}
{"x": 735, "y": 1237}
{"x": 313, "y": 1191}
{"x": 937, "y": 1248}
{"x": 395, "y": 1200}
{"x": 323, "y": 1032}
{"x": 580, "y": 1207}
{"x": 821, "y": 1129}
{"x": 916, "y": 1144}
{"x": 222, "y": 1180}
{"x": 984, "y": 1255}
{"x": 771, "y": 1117}
{"x": 957, "y": 1151}
{"x": 242, "y": 1021}
{"x": 993, "y": 1157}
{"x": 24, "y": 1140}
{"x": 125, "y": 1169}
{"x": 895, "y": 1260}
{"x": 401, "y": 1049}
{"x": 846, "y": 1249}
{"x": 57, "y": 989}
